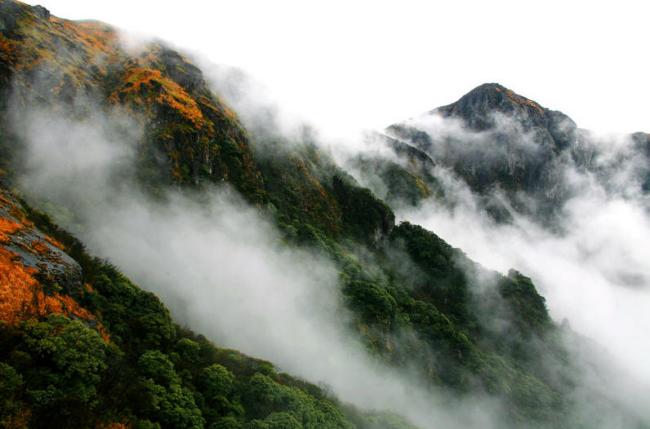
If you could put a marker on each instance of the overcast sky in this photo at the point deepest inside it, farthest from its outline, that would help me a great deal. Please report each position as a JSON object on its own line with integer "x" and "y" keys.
{"x": 349, "y": 65}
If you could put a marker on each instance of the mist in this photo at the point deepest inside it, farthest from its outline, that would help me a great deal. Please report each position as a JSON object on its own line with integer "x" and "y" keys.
{"x": 221, "y": 267}
{"x": 593, "y": 270}
{"x": 224, "y": 270}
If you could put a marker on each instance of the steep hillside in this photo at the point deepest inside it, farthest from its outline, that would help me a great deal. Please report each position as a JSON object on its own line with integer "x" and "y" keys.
{"x": 417, "y": 304}
{"x": 192, "y": 136}
{"x": 82, "y": 346}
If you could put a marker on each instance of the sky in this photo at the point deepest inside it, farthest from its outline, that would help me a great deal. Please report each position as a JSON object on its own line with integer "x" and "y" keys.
{"x": 349, "y": 66}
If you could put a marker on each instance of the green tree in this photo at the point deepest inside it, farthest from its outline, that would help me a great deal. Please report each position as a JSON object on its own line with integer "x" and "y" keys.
{"x": 165, "y": 399}
{"x": 11, "y": 383}
{"x": 216, "y": 381}
{"x": 71, "y": 358}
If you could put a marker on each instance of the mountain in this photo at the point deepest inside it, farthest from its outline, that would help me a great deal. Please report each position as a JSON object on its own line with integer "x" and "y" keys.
{"x": 50, "y": 60}
{"x": 83, "y": 346}
{"x": 503, "y": 144}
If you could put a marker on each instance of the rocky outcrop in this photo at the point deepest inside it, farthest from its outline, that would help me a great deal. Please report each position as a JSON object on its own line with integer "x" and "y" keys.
{"x": 37, "y": 276}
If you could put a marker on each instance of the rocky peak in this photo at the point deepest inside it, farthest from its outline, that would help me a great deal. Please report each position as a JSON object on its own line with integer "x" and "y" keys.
{"x": 517, "y": 146}
{"x": 41, "y": 12}
{"x": 478, "y": 106}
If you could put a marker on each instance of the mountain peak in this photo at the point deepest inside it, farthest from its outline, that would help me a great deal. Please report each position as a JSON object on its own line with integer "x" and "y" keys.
{"x": 477, "y": 106}
{"x": 489, "y": 87}
{"x": 41, "y": 11}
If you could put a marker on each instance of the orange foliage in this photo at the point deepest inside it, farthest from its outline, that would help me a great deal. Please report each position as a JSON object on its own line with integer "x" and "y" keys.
{"x": 42, "y": 40}
{"x": 95, "y": 35}
{"x": 54, "y": 242}
{"x": 40, "y": 247}
{"x": 171, "y": 93}
{"x": 17, "y": 288}
{"x": 7, "y": 227}
{"x": 17, "y": 213}
{"x": 7, "y": 49}
{"x": 22, "y": 296}
{"x": 522, "y": 100}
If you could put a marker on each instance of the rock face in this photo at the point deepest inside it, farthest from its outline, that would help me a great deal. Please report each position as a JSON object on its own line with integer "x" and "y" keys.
{"x": 37, "y": 276}
{"x": 479, "y": 110}
{"x": 500, "y": 142}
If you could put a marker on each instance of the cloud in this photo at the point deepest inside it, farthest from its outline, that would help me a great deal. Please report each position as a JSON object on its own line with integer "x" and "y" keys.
{"x": 224, "y": 270}
{"x": 371, "y": 71}
{"x": 221, "y": 267}
{"x": 594, "y": 274}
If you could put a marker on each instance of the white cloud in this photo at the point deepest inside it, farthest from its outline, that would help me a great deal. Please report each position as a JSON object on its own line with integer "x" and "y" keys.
{"x": 594, "y": 274}
{"x": 352, "y": 65}
{"x": 222, "y": 269}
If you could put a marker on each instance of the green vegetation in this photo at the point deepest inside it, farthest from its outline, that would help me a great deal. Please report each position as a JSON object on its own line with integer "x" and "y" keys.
{"x": 151, "y": 373}
{"x": 415, "y": 301}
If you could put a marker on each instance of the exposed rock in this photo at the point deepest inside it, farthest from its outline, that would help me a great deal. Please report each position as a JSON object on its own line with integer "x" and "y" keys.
{"x": 37, "y": 276}
{"x": 509, "y": 144}
{"x": 41, "y": 12}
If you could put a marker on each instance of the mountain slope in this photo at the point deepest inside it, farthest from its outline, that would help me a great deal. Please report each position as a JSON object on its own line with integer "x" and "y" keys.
{"x": 193, "y": 136}
{"x": 416, "y": 303}
{"x": 81, "y": 346}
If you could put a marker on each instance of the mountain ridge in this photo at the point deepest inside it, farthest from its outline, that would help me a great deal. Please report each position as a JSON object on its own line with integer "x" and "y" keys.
{"x": 416, "y": 302}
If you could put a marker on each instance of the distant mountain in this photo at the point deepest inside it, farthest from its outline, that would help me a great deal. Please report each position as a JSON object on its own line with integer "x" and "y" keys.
{"x": 499, "y": 142}
{"x": 82, "y": 346}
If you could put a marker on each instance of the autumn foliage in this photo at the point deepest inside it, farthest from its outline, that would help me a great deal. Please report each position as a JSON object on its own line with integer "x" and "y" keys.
{"x": 7, "y": 227}
{"x": 23, "y": 297}
{"x": 141, "y": 82}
